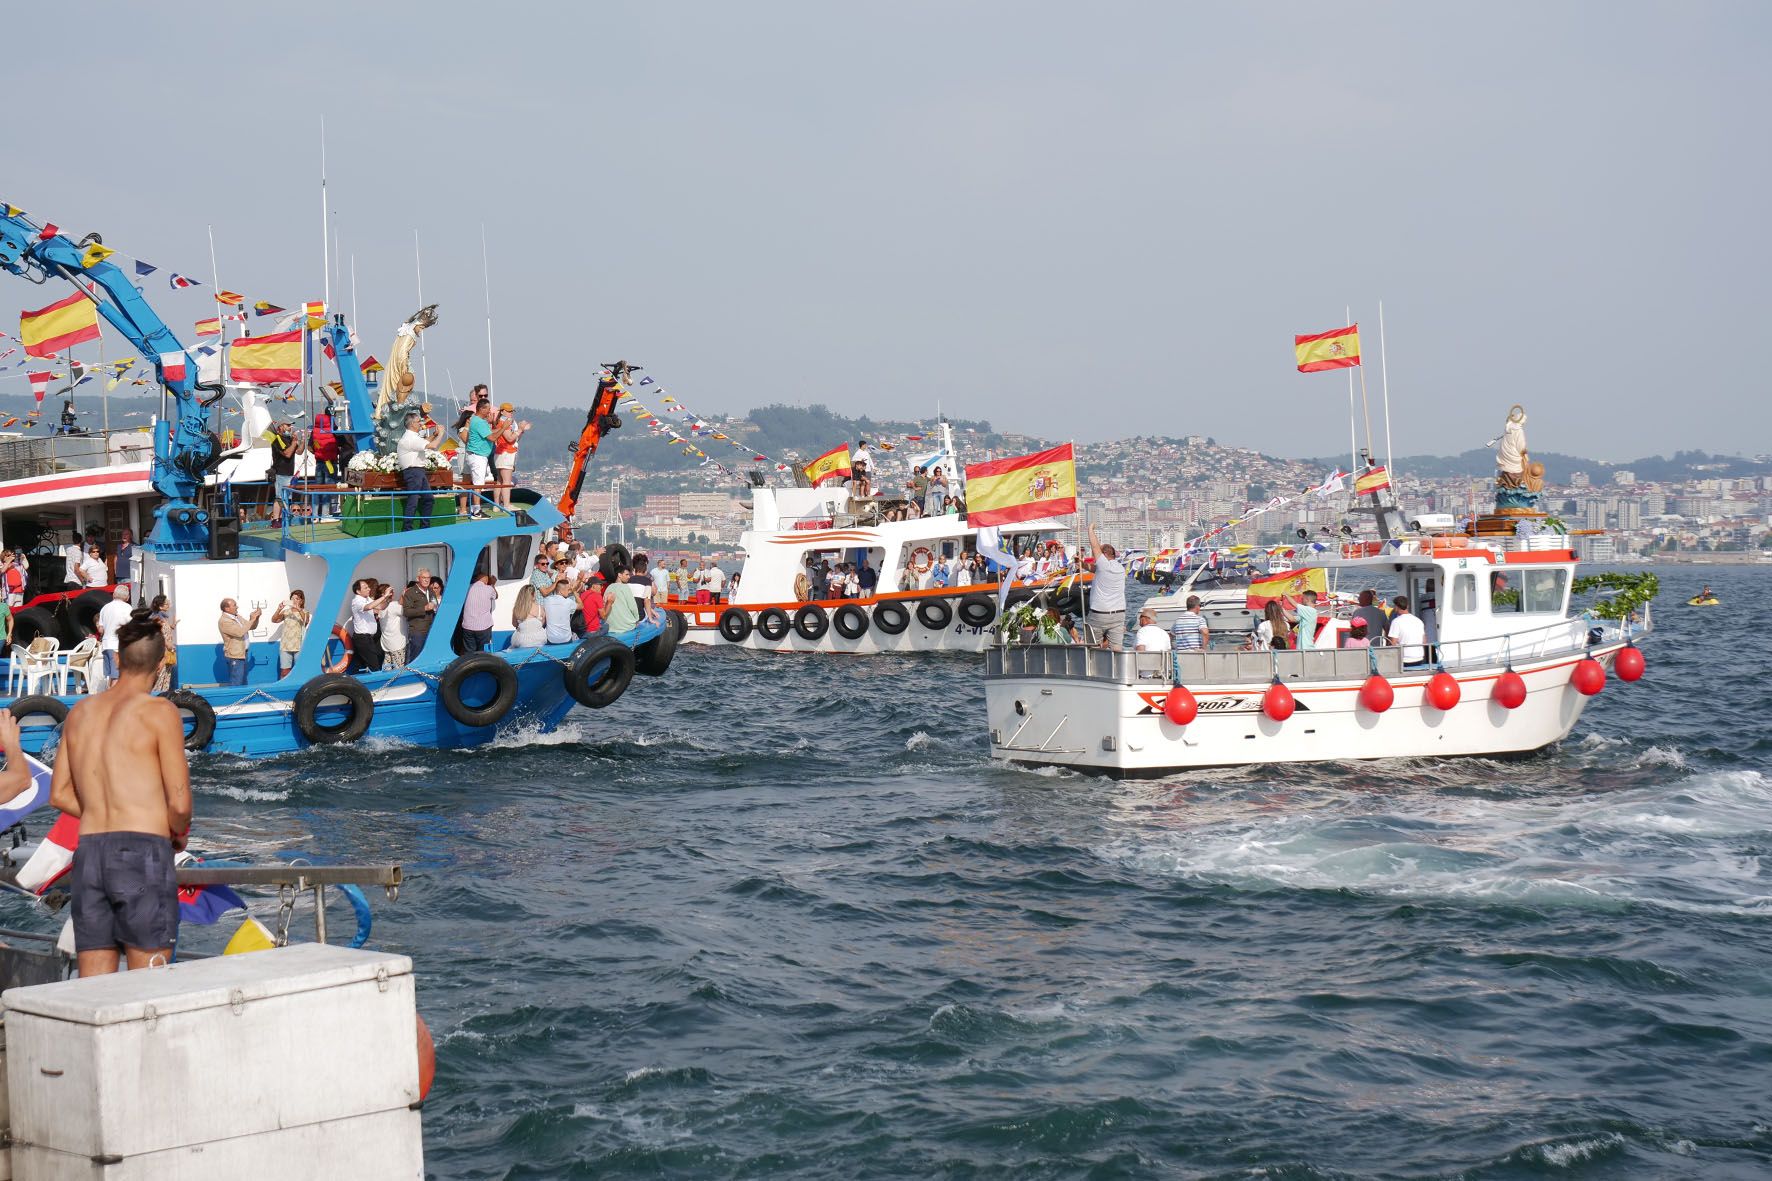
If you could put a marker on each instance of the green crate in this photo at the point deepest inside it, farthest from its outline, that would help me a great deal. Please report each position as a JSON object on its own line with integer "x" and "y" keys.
{"x": 378, "y": 516}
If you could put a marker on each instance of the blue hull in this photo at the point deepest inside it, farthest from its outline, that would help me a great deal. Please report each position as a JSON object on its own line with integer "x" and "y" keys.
{"x": 257, "y": 720}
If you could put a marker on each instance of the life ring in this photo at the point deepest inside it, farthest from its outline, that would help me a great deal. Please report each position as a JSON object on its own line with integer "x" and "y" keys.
{"x": 38, "y": 703}
{"x": 654, "y": 656}
{"x": 922, "y": 558}
{"x": 619, "y": 671}
{"x": 851, "y": 621}
{"x": 322, "y": 690}
{"x": 342, "y": 660}
{"x": 891, "y": 618}
{"x": 978, "y": 610}
{"x": 812, "y": 622}
{"x": 735, "y": 625}
{"x": 935, "y": 614}
{"x": 504, "y": 691}
{"x": 202, "y": 717}
{"x": 772, "y": 623}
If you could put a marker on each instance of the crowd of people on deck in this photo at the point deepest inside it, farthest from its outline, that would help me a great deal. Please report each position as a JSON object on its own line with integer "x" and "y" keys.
{"x": 930, "y": 491}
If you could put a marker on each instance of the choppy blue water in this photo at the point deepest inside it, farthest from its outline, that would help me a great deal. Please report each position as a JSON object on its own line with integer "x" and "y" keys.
{"x": 781, "y": 917}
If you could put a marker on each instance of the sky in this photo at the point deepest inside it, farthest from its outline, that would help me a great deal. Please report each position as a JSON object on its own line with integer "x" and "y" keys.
{"x": 1096, "y": 220}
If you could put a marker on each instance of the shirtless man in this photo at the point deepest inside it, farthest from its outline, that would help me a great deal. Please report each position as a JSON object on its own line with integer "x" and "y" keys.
{"x": 121, "y": 769}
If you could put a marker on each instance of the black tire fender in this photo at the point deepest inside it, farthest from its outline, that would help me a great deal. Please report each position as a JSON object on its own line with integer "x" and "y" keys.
{"x": 615, "y": 679}
{"x": 978, "y": 610}
{"x": 84, "y": 609}
{"x": 32, "y": 622}
{"x": 202, "y": 717}
{"x": 935, "y": 614}
{"x": 891, "y": 618}
{"x": 654, "y": 656}
{"x": 773, "y": 623}
{"x": 851, "y": 621}
{"x": 38, "y": 703}
{"x": 457, "y": 672}
{"x": 316, "y": 692}
{"x": 812, "y": 622}
{"x": 735, "y": 625}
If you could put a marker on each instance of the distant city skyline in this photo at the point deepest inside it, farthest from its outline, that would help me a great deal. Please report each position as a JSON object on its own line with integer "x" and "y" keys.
{"x": 1088, "y": 222}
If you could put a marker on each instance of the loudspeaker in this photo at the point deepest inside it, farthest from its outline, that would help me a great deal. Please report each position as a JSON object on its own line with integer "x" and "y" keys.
{"x": 224, "y": 538}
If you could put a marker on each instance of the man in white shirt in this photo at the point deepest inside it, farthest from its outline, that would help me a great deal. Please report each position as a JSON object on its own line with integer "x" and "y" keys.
{"x": 1408, "y": 632}
{"x": 1107, "y": 595}
{"x": 409, "y": 452}
{"x": 714, "y": 581}
{"x": 1150, "y": 637}
{"x": 112, "y": 616}
{"x": 74, "y": 554}
{"x": 860, "y": 470}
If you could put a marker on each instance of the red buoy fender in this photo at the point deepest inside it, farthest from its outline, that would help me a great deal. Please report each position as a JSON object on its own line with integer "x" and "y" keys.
{"x": 1628, "y": 664}
{"x": 1278, "y": 702}
{"x": 427, "y": 1059}
{"x": 1510, "y": 690}
{"x": 1180, "y": 707}
{"x": 1443, "y": 691}
{"x": 1589, "y": 677}
{"x": 1376, "y": 694}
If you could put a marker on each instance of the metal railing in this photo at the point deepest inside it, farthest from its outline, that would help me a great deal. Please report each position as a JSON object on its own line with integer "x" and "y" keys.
{"x": 22, "y": 459}
{"x": 312, "y": 512}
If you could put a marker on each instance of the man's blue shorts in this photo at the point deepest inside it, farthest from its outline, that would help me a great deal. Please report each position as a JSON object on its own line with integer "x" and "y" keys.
{"x": 124, "y": 891}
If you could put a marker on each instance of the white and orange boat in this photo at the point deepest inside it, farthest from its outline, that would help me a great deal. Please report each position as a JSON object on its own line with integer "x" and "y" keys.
{"x": 1506, "y": 667}
{"x": 920, "y": 602}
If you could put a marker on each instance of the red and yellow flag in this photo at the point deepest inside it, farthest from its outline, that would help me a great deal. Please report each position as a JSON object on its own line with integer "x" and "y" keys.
{"x": 1373, "y": 479}
{"x": 232, "y": 298}
{"x": 1286, "y": 587}
{"x": 834, "y": 462}
{"x": 1022, "y": 488}
{"x": 266, "y": 359}
{"x": 63, "y": 324}
{"x": 1339, "y": 348}
{"x": 209, "y": 327}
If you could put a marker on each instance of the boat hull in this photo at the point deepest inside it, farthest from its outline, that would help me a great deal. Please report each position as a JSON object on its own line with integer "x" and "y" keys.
{"x": 1119, "y": 729}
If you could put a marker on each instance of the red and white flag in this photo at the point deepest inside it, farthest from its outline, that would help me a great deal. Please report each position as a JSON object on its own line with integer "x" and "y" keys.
{"x": 54, "y": 857}
{"x": 172, "y": 366}
{"x": 39, "y": 385}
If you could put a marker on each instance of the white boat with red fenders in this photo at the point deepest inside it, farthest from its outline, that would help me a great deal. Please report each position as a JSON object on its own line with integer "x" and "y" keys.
{"x": 924, "y": 594}
{"x": 1505, "y": 667}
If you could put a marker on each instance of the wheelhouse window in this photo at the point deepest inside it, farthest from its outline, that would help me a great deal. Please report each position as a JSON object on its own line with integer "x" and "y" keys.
{"x": 1464, "y": 594}
{"x": 1528, "y": 592}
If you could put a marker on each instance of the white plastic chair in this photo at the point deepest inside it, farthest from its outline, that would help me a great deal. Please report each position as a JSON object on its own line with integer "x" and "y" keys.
{"x": 15, "y": 669}
{"x": 83, "y": 661}
{"x": 41, "y": 665}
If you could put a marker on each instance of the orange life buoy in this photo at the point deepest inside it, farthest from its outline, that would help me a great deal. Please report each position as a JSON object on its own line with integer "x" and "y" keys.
{"x": 922, "y": 558}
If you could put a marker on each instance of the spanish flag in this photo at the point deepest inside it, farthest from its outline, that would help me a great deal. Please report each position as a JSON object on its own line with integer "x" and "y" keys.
{"x": 209, "y": 327}
{"x": 1373, "y": 479}
{"x": 267, "y": 359}
{"x": 1022, "y": 488}
{"x": 834, "y": 462}
{"x": 1339, "y": 348}
{"x": 63, "y": 324}
{"x": 1286, "y": 587}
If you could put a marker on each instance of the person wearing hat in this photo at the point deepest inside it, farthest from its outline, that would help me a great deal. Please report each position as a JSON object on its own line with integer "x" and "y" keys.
{"x": 590, "y": 601}
{"x": 506, "y": 433}
{"x": 1358, "y": 634}
{"x": 860, "y": 483}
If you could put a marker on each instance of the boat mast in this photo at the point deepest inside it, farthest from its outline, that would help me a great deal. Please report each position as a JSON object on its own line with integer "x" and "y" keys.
{"x": 1385, "y": 385}
{"x": 486, "y": 277}
{"x": 418, "y": 266}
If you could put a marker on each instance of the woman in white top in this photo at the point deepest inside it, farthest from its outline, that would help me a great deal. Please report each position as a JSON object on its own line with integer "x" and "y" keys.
{"x": 526, "y": 616}
{"x": 393, "y": 632}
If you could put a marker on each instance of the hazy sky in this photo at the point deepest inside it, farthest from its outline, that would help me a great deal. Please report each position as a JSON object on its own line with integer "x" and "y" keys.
{"x": 1095, "y": 219}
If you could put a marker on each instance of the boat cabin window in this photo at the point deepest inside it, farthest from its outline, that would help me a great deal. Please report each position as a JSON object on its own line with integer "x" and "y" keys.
{"x": 507, "y": 558}
{"x": 1530, "y": 592}
{"x": 1464, "y": 594}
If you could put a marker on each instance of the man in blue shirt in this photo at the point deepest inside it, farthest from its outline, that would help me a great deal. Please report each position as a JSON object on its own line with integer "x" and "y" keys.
{"x": 867, "y": 578}
{"x": 556, "y": 610}
{"x": 1307, "y": 620}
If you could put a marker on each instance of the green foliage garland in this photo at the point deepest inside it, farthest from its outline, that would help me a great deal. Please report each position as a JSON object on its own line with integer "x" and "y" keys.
{"x": 1632, "y": 592}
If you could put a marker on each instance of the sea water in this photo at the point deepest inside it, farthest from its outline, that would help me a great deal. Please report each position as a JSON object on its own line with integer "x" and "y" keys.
{"x": 782, "y": 917}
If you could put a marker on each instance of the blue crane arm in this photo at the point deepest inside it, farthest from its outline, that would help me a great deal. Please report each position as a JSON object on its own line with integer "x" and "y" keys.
{"x": 350, "y": 375}
{"x": 184, "y": 449}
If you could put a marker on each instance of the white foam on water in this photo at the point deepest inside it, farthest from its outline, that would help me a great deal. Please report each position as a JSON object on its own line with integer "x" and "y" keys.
{"x": 244, "y": 794}
{"x": 919, "y": 741}
{"x": 1562, "y": 1156}
{"x": 1689, "y": 845}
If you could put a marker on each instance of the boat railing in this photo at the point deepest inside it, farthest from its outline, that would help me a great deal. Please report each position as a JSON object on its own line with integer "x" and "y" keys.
{"x": 22, "y": 459}
{"x": 315, "y": 512}
{"x": 1563, "y": 637}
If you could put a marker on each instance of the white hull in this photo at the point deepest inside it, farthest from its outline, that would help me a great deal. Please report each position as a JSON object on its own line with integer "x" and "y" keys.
{"x": 1120, "y": 729}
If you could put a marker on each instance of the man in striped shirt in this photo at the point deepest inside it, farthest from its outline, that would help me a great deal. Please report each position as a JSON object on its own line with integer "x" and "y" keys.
{"x": 1189, "y": 632}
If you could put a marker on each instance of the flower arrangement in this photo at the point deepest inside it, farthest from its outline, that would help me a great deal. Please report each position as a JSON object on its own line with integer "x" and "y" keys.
{"x": 369, "y": 461}
{"x": 1027, "y": 617}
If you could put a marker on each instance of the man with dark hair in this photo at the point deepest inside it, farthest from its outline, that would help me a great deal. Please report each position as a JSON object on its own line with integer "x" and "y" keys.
{"x": 121, "y": 771}
{"x": 1377, "y": 622}
{"x": 1107, "y": 595}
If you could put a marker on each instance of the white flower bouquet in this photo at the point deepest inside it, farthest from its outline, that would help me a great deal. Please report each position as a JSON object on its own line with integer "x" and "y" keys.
{"x": 1027, "y": 617}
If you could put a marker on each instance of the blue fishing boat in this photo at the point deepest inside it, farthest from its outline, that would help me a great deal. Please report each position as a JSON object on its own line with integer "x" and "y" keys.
{"x": 454, "y": 690}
